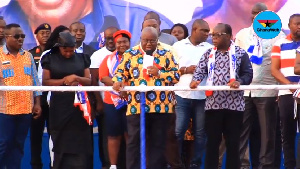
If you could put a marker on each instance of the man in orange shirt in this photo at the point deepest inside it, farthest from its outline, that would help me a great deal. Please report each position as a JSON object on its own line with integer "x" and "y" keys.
{"x": 16, "y": 107}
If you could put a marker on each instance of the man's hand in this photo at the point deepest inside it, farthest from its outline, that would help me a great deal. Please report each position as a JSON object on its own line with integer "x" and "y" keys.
{"x": 234, "y": 84}
{"x": 36, "y": 111}
{"x": 152, "y": 70}
{"x": 190, "y": 70}
{"x": 293, "y": 83}
{"x": 70, "y": 80}
{"x": 194, "y": 84}
{"x": 118, "y": 86}
{"x": 123, "y": 94}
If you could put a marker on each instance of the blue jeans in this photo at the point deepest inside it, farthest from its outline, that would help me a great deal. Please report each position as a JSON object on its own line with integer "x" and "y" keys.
{"x": 185, "y": 110}
{"x": 13, "y": 132}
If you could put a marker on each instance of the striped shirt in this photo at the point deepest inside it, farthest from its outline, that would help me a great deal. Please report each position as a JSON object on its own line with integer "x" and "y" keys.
{"x": 17, "y": 70}
{"x": 285, "y": 50}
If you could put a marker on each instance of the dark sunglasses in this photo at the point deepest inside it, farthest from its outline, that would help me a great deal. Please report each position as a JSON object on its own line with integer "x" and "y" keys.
{"x": 18, "y": 36}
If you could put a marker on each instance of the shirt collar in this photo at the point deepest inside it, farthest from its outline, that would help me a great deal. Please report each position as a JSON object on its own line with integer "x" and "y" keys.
{"x": 81, "y": 46}
{"x": 79, "y": 49}
{"x": 188, "y": 41}
{"x": 289, "y": 37}
{"x": 5, "y": 50}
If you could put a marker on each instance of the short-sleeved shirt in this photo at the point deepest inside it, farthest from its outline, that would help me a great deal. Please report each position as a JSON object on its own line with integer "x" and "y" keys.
{"x": 70, "y": 131}
{"x": 62, "y": 103}
{"x": 285, "y": 50}
{"x": 96, "y": 60}
{"x": 17, "y": 70}
{"x": 189, "y": 54}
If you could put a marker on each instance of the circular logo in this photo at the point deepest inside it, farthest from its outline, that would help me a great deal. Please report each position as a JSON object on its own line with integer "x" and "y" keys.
{"x": 267, "y": 25}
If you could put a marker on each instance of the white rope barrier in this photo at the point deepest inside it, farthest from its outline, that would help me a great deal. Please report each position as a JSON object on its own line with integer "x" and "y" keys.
{"x": 145, "y": 88}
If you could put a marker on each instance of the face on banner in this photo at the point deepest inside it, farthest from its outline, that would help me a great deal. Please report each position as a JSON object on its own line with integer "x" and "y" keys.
{"x": 55, "y": 9}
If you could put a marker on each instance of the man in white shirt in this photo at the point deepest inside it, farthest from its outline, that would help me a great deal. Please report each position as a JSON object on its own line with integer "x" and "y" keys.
{"x": 96, "y": 60}
{"x": 190, "y": 104}
{"x": 260, "y": 105}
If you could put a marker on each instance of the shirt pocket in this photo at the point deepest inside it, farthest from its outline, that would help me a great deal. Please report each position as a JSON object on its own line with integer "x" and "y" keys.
{"x": 8, "y": 72}
{"x": 27, "y": 70}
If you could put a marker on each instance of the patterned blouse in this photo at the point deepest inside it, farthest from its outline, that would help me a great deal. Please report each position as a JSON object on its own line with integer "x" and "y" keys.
{"x": 131, "y": 70}
{"x": 232, "y": 100}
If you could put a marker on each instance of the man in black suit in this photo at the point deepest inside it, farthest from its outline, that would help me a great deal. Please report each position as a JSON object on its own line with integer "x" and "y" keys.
{"x": 78, "y": 30}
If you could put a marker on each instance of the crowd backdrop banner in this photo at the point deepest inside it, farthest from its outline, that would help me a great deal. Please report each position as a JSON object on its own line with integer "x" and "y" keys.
{"x": 98, "y": 15}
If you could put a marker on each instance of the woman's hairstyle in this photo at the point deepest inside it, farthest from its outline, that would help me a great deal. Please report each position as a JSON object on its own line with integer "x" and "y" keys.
{"x": 53, "y": 39}
{"x": 121, "y": 33}
{"x": 185, "y": 29}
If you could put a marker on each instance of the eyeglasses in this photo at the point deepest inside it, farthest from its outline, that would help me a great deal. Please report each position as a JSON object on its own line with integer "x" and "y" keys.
{"x": 149, "y": 41}
{"x": 17, "y": 36}
{"x": 217, "y": 35}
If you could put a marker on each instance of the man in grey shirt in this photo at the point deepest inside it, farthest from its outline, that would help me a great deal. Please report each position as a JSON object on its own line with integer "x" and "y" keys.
{"x": 163, "y": 37}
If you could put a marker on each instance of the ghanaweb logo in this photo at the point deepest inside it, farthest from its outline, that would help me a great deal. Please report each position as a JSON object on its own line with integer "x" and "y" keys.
{"x": 267, "y": 25}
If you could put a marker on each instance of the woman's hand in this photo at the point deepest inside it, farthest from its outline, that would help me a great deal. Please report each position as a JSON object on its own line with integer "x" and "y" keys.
{"x": 71, "y": 80}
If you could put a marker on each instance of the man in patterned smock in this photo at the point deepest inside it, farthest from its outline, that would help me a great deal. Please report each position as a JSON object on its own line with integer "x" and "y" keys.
{"x": 149, "y": 64}
{"x": 224, "y": 64}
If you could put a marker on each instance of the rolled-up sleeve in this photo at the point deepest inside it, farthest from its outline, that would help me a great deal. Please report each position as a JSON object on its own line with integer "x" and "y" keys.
{"x": 35, "y": 78}
{"x": 246, "y": 71}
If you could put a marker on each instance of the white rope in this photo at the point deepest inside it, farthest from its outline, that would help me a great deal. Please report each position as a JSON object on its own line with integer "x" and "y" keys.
{"x": 144, "y": 88}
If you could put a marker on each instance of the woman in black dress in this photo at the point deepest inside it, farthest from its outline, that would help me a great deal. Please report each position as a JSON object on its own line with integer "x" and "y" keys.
{"x": 70, "y": 132}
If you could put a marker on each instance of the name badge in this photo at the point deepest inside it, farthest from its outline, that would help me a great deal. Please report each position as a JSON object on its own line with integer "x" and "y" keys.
{"x": 5, "y": 62}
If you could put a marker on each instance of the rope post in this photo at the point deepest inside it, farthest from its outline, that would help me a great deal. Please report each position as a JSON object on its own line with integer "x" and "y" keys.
{"x": 143, "y": 130}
